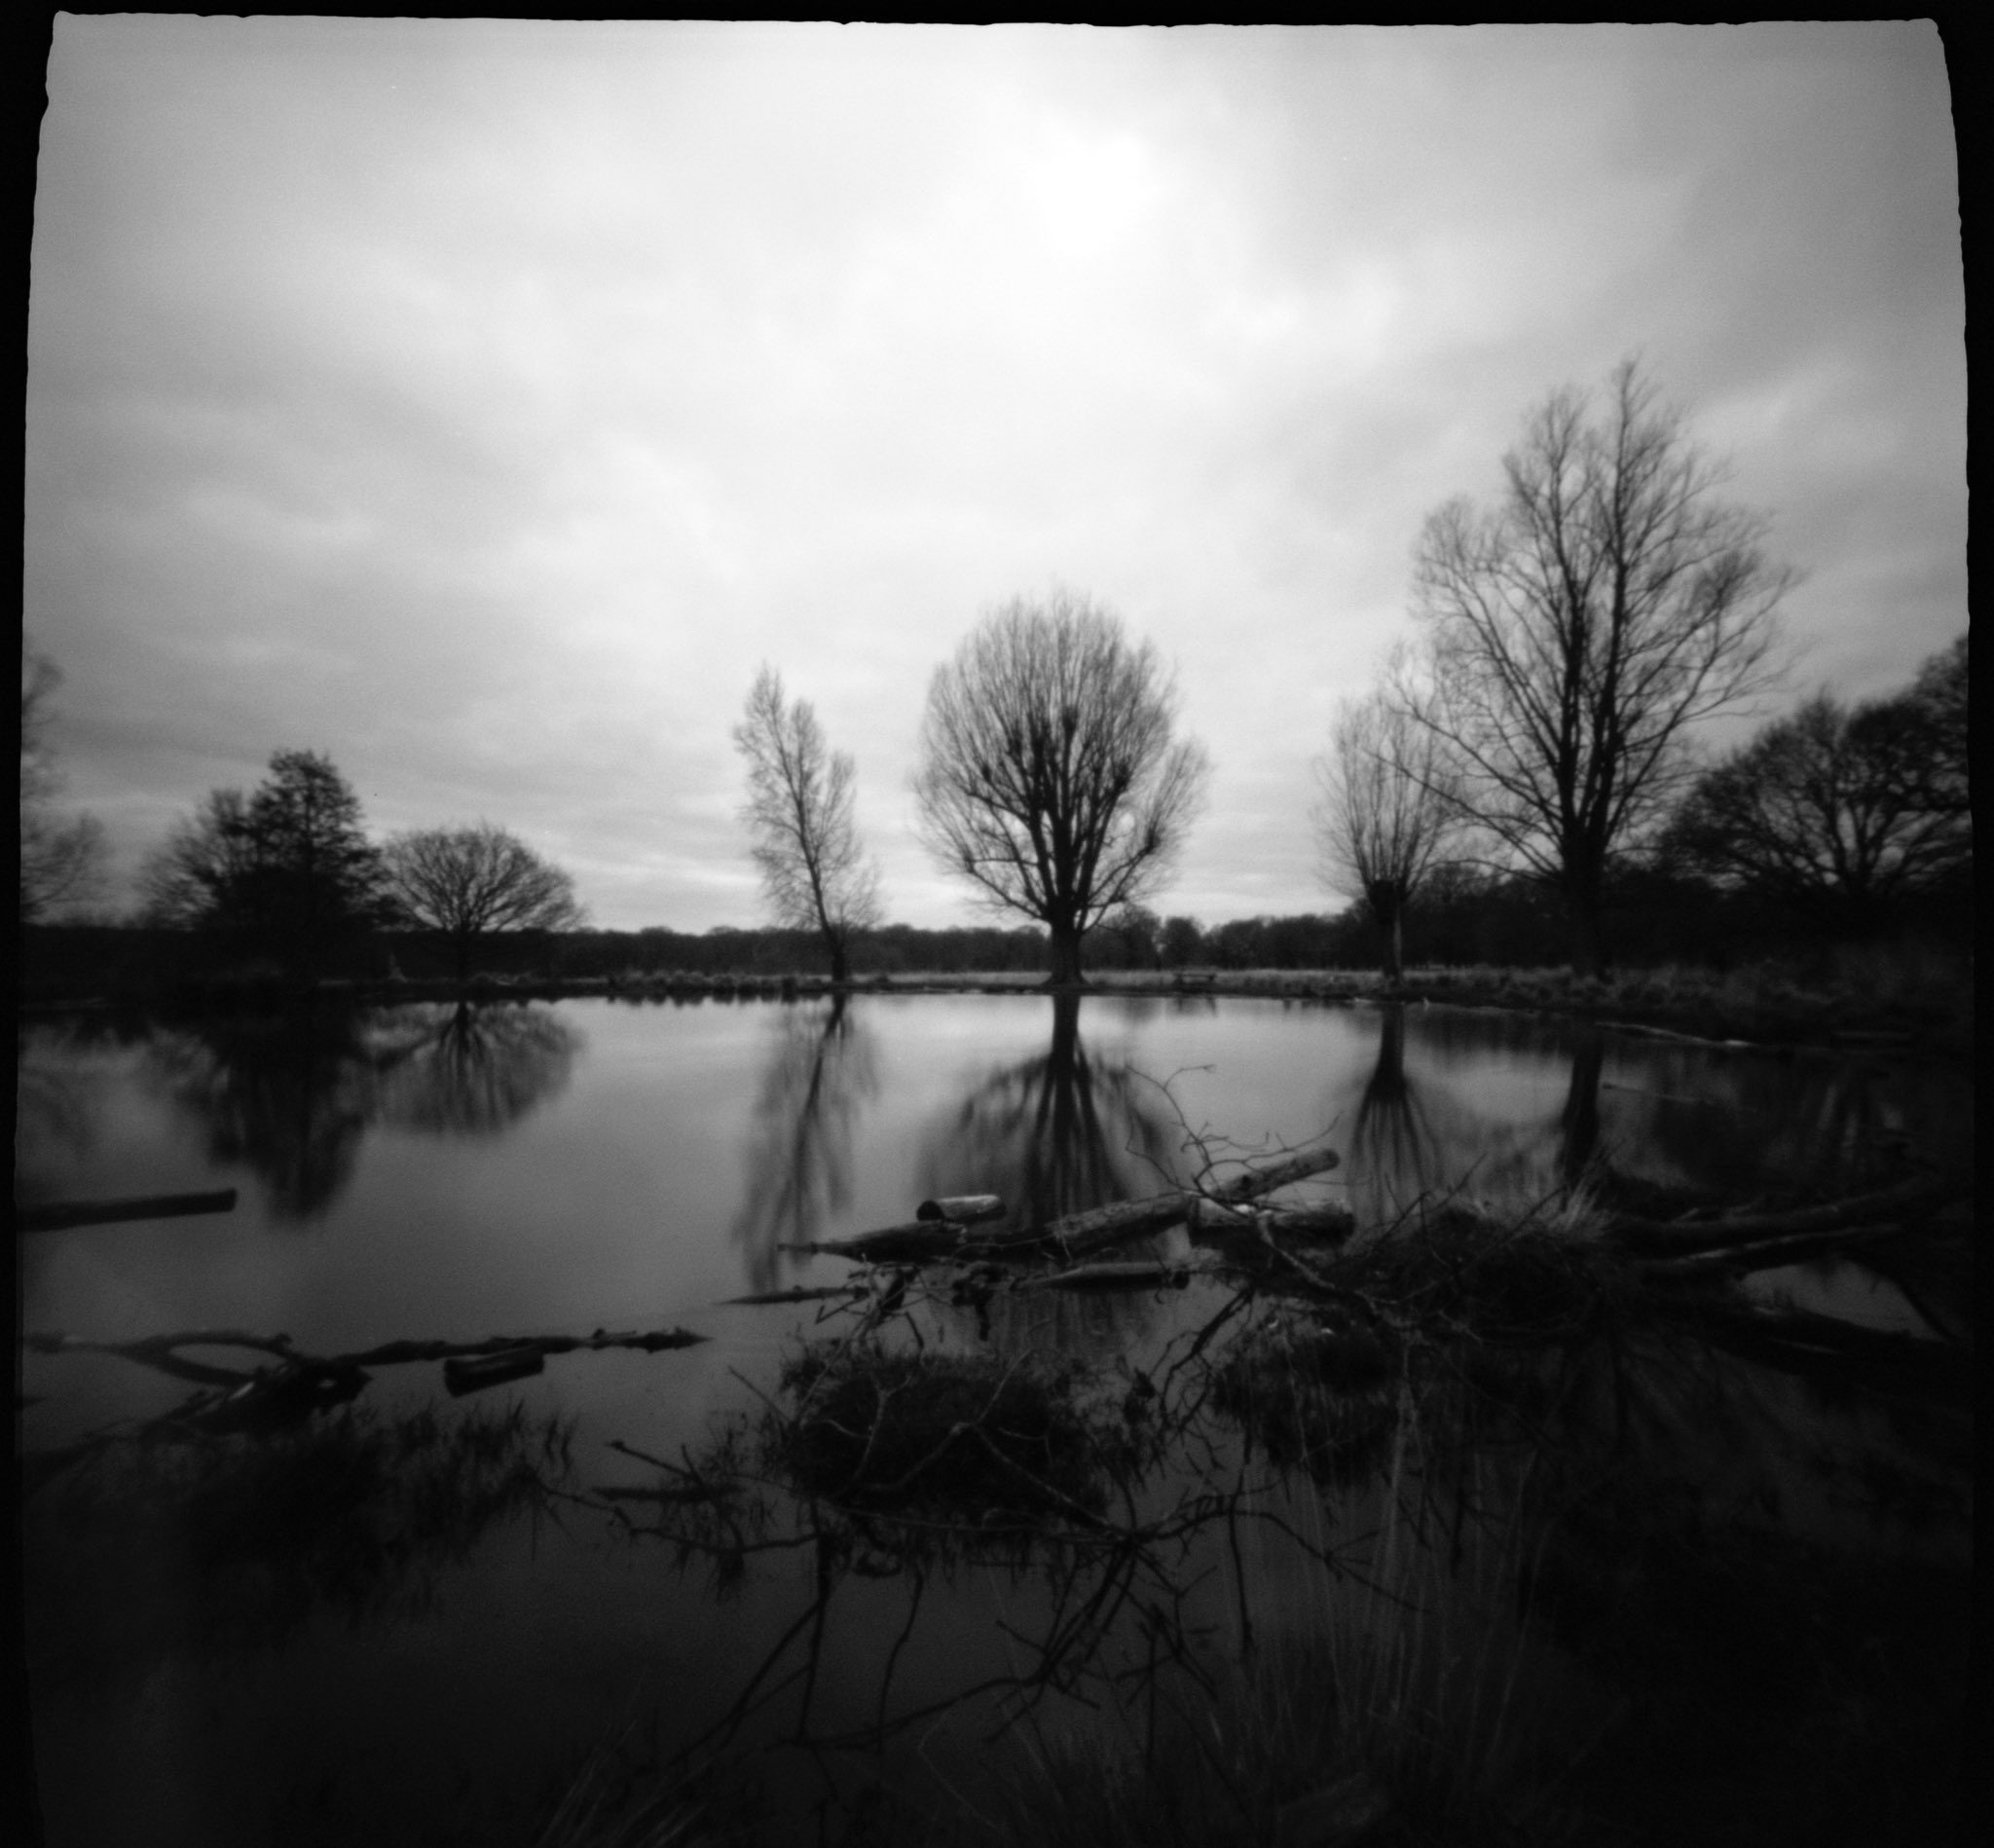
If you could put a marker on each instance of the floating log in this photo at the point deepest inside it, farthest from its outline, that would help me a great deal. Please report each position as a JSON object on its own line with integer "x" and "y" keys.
{"x": 1112, "y": 1275}
{"x": 918, "y": 1242}
{"x": 61, "y": 1216}
{"x": 472, "y": 1373}
{"x": 160, "y": 1351}
{"x": 796, "y": 1295}
{"x": 1911, "y": 1199}
{"x": 1768, "y": 1254}
{"x": 1083, "y": 1234}
{"x": 962, "y": 1210}
{"x": 1076, "y": 1236}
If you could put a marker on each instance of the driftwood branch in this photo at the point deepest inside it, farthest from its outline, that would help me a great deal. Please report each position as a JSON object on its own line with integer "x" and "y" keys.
{"x": 1911, "y": 1201}
{"x": 59, "y": 1215}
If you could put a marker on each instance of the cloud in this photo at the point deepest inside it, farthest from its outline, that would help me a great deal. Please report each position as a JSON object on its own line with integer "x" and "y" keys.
{"x": 482, "y": 402}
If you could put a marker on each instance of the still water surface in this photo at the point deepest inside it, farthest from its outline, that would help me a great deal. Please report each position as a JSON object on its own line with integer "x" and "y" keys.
{"x": 444, "y": 1172}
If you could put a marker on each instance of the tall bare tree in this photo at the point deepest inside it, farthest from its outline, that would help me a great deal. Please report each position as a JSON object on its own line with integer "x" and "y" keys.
{"x": 468, "y": 882}
{"x": 62, "y": 859}
{"x": 1049, "y": 775}
{"x": 815, "y": 870}
{"x": 1385, "y": 815}
{"x": 1575, "y": 630}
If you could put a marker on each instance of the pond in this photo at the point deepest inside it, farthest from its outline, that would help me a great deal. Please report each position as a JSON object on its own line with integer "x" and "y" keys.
{"x": 521, "y": 1612}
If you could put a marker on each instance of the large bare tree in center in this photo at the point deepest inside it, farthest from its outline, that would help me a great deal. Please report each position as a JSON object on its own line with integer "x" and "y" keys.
{"x": 814, "y": 868}
{"x": 1575, "y": 629}
{"x": 1049, "y": 775}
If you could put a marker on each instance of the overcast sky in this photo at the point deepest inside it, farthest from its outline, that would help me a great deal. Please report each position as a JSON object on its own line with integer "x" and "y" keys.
{"x": 481, "y": 403}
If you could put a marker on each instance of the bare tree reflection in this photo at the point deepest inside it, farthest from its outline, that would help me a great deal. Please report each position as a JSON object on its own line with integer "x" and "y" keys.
{"x": 1055, "y": 1133}
{"x": 1397, "y": 1151}
{"x": 474, "y": 1071}
{"x": 1580, "y": 1123}
{"x": 822, "y": 1066}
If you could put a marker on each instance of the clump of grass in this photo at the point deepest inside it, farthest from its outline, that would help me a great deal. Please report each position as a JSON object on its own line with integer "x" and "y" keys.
{"x": 959, "y": 1434}
{"x": 1322, "y": 1396}
{"x": 1456, "y": 1272}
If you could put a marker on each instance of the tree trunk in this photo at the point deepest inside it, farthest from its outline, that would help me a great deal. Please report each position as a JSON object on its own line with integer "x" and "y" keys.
{"x": 1065, "y": 958}
{"x": 840, "y": 960}
{"x": 1582, "y": 911}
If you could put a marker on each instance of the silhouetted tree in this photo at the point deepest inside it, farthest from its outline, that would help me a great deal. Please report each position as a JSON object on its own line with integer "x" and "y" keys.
{"x": 62, "y": 861}
{"x": 1048, "y": 777}
{"x": 1386, "y": 814}
{"x": 814, "y": 870}
{"x": 1837, "y": 811}
{"x": 1183, "y": 941}
{"x": 468, "y": 882}
{"x": 286, "y": 873}
{"x": 1575, "y": 630}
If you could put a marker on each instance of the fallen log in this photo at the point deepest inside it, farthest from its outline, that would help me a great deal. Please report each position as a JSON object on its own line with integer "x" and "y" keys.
{"x": 161, "y": 1351}
{"x": 796, "y": 1295}
{"x": 59, "y": 1215}
{"x": 1767, "y": 1254}
{"x": 962, "y": 1210}
{"x": 1078, "y": 1235}
{"x": 1112, "y": 1275}
{"x": 1802, "y": 1341}
{"x": 1083, "y": 1234}
{"x": 1910, "y": 1200}
{"x": 472, "y": 1373}
{"x": 918, "y": 1242}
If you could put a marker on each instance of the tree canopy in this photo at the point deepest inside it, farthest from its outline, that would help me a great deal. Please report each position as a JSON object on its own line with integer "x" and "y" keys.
{"x": 1050, "y": 777}
{"x": 286, "y": 873}
{"x": 467, "y": 882}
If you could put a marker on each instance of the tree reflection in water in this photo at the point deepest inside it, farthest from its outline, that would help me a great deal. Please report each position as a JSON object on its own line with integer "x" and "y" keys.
{"x": 290, "y": 1096}
{"x": 1055, "y": 1135}
{"x": 822, "y": 1066}
{"x": 473, "y": 1071}
{"x": 1416, "y": 1138}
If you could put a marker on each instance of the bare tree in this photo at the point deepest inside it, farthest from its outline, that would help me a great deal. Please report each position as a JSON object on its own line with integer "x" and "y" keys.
{"x": 1386, "y": 814}
{"x": 61, "y": 860}
{"x": 815, "y": 872}
{"x": 468, "y": 882}
{"x": 1576, "y": 629}
{"x": 1049, "y": 776}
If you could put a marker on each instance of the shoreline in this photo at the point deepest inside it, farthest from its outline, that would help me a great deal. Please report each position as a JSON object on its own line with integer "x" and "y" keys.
{"x": 1748, "y": 1009}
